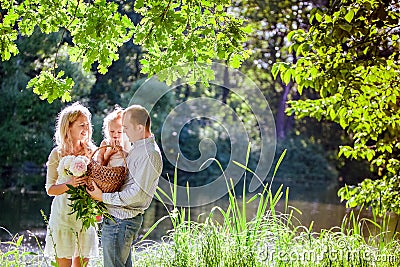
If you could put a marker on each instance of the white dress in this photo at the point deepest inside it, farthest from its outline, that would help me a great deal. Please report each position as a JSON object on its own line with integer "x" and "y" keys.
{"x": 65, "y": 237}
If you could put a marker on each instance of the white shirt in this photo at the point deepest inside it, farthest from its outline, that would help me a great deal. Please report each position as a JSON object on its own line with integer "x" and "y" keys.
{"x": 144, "y": 169}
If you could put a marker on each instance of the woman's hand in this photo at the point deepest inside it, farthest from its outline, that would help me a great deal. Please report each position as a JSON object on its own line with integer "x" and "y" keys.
{"x": 77, "y": 181}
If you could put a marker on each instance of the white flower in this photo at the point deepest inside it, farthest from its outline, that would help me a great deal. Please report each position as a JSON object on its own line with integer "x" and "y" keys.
{"x": 68, "y": 161}
{"x": 64, "y": 165}
{"x": 72, "y": 165}
{"x": 79, "y": 165}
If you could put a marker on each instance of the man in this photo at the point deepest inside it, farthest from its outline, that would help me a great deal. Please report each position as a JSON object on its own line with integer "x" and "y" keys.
{"x": 127, "y": 206}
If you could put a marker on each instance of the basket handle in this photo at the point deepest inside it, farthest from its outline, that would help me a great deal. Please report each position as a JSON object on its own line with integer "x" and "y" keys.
{"x": 119, "y": 149}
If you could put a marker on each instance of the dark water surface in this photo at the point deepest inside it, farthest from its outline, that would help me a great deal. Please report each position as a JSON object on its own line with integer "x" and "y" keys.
{"x": 20, "y": 213}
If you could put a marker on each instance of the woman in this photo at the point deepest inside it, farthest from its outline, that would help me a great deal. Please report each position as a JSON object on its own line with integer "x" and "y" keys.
{"x": 65, "y": 239}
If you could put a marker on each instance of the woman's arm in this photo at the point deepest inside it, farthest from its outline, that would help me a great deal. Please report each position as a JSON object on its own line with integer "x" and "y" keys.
{"x": 59, "y": 189}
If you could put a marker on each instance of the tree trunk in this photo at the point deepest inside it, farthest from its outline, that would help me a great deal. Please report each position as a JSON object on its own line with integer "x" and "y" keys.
{"x": 225, "y": 89}
{"x": 281, "y": 118}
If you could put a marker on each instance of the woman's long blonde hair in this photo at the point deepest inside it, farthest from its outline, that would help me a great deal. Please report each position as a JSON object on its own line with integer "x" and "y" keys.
{"x": 62, "y": 135}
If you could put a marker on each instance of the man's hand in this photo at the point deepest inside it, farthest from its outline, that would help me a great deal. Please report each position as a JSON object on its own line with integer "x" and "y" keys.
{"x": 96, "y": 194}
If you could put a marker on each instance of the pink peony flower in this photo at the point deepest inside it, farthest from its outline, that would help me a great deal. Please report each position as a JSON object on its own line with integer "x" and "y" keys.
{"x": 79, "y": 166}
{"x": 84, "y": 159}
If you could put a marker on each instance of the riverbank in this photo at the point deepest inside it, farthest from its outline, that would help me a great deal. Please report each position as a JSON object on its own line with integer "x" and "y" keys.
{"x": 271, "y": 238}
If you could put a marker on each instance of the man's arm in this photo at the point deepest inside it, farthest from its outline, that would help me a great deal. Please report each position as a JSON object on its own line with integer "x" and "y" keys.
{"x": 145, "y": 178}
{"x": 148, "y": 170}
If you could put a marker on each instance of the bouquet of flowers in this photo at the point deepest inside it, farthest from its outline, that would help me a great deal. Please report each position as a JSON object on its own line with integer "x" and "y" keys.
{"x": 86, "y": 208}
{"x": 72, "y": 166}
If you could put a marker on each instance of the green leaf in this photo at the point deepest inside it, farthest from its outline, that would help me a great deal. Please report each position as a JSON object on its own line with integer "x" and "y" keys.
{"x": 290, "y": 35}
{"x": 236, "y": 61}
{"x": 139, "y": 4}
{"x": 349, "y": 16}
{"x": 343, "y": 123}
{"x": 287, "y": 76}
{"x": 345, "y": 26}
{"x": 328, "y": 18}
{"x": 370, "y": 155}
{"x": 248, "y": 29}
{"x": 275, "y": 70}
{"x": 299, "y": 49}
{"x": 318, "y": 17}
{"x": 332, "y": 114}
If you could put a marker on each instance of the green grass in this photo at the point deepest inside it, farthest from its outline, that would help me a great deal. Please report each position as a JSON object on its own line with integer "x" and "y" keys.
{"x": 228, "y": 238}
{"x": 231, "y": 237}
{"x": 269, "y": 239}
{"x": 16, "y": 254}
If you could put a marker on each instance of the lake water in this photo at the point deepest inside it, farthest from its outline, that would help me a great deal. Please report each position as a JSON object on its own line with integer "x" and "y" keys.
{"x": 320, "y": 205}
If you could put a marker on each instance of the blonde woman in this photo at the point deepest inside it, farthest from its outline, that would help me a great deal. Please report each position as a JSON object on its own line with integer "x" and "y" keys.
{"x": 65, "y": 239}
{"x": 113, "y": 136}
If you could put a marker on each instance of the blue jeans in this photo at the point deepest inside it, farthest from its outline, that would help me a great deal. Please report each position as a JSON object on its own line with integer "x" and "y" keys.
{"x": 117, "y": 238}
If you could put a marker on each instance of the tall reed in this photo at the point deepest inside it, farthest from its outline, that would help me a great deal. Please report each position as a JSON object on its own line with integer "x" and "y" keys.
{"x": 270, "y": 238}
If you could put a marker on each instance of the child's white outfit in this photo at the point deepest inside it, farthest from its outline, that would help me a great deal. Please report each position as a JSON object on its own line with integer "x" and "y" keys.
{"x": 116, "y": 159}
{"x": 65, "y": 237}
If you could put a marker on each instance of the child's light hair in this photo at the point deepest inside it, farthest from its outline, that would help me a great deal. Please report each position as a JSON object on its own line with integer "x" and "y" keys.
{"x": 115, "y": 115}
{"x": 62, "y": 135}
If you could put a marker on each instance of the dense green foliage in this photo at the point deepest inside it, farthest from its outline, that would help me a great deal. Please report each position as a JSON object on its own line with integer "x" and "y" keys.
{"x": 351, "y": 57}
{"x": 305, "y": 162}
{"x": 26, "y": 123}
{"x": 173, "y": 33}
{"x": 271, "y": 22}
{"x": 381, "y": 194}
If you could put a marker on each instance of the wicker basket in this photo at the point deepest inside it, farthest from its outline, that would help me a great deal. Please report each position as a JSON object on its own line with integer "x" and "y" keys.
{"x": 108, "y": 179}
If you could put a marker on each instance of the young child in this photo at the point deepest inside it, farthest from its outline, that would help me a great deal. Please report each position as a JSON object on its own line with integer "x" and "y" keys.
{"x": 113, "y": 136}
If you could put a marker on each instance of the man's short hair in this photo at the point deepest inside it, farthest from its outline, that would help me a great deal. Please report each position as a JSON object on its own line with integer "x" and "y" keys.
{"x": 138, "y": 115}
